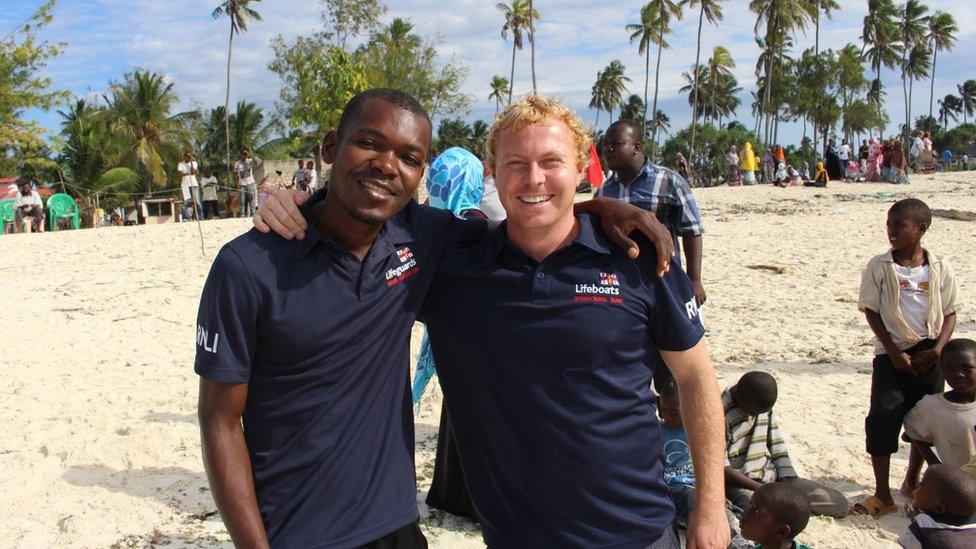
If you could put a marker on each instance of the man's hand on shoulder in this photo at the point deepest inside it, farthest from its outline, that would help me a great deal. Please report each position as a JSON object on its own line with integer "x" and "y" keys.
{"x": 618, "y": 219}
{"x": 280, "y": 213}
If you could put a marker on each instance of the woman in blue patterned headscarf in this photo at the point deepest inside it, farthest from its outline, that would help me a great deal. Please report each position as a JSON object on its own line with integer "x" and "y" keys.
{"x": 455, "y": 182}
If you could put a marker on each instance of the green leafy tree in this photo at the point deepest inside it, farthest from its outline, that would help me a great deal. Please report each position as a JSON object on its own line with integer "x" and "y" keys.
{"x": 598, "y": 97}
{"x": 917, "y": 67}
{"x": 140, "y": 115}
{"x": 453, "y": 132}
{"x": 240, "y": 14}
{"x": 654, "y": 26}
{"x": 914, "y": 24}
{"x": 349, "y": 19}
{"x": 882, "y": 39}
{"x": 517, "y": 16}
{"x": 949, "y": 107}
{"x": 499, "y": 89}
{"x": 967, "y": 93}
{"x": 479, "y": 137}
{"x": 23, "y": 86}
{"x": 711, "y": 10}
{"x": 396, "y": 57}
{"x": 941, "y": 37}
{"x": 633, "y": 111}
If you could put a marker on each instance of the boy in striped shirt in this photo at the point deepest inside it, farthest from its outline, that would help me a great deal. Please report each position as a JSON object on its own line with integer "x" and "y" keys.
{"x": 756, "y": 451}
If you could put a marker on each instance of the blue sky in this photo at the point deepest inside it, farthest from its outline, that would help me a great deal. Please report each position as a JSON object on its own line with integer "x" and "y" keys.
{"x": 106, "y": 38}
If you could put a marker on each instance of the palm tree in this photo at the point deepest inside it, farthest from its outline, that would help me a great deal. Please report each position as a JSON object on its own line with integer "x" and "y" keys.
{"x": 139, "y": 114}
{"x": 881, "y": 37}
{"x": 949, "y": 107}
{"x": 614, "y": 85}
{"x": 479, "y": 136}
{"x": 247, "y": 129}
{"x": 914, "y": 24}
{"x": 653, "y": 27}
{"x": 633, "y": 110}
{"x": 517, "y": 20}
{"x": 712, "y": 10}
{"x": 240, "y": 14}
{"x": 917, "y": 67}
{"x": 782, "y": 18}
{"x": 532, "y": 44}
{"x": 660, "y": 122}
{"x": 499, "y": 88}
{"x": 597, "y": 97}
{"x": 967, "y": 93}
{"x": 941, "y": 37}
{"x": 827, "y": 7}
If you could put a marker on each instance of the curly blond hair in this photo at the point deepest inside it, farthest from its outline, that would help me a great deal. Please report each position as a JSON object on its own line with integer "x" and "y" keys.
{"x": 534, "y": 109}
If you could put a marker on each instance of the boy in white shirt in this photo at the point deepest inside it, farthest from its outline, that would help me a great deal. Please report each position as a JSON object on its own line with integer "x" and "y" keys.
{"x": 947, "y": 421}
{"x": 211, "y": 207}
{"x": 909, "y": 298}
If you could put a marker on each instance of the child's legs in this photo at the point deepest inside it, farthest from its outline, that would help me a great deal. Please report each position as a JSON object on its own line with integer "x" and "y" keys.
{"x": 684, "y": 498}
{"x": 883, "y": 422}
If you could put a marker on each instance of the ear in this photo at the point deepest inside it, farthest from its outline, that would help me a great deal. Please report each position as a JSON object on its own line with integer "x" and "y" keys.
{"x": 784, "y": 532}
{"x": 940, "y": 508}
{"x": 330, "y": 144}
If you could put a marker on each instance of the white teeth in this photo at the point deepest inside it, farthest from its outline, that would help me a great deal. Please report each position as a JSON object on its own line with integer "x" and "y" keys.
{"x": 535, "y": 199}
{"x": 374, "y": 187}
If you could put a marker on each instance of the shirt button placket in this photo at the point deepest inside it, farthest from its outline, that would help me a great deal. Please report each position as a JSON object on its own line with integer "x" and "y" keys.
{"x": 540, "y": 285}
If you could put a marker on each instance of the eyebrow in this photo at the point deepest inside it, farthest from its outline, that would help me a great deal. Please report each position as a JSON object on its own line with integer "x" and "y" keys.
{"x": 413, "y": 147}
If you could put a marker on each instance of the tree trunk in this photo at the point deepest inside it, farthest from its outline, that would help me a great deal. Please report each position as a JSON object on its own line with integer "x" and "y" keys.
{"x": 511, "y": 81}
{"x": 935, "y": 54}
{"x": 880, "y": 134}
{"x": 647, "y": 79}
{"x": 694, "y": 107}
{"x": 911, "y": 85}
{"x": 657, "y": 74}
{"x": 532, "y": 45}
{"x": 904, "y": 89}
{"x": 230, "y": 51}
{"x": 496, "y": 106}
{"x": 816, "y": 37}
{"x": 596, "y": 124}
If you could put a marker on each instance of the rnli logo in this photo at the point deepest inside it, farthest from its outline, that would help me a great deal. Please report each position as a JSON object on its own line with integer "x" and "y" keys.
{"x": 404, "y": 254}
{"x": 206, "y": 340}
{"x": 606, "y": 290}
{"x": 408, "y": 267}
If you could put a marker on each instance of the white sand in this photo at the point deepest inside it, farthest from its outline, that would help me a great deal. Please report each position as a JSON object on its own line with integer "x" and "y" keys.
{"x": 99, "y": 440}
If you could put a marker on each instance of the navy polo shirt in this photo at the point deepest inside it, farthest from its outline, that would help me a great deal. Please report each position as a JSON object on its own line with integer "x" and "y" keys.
{"x": 548, "y": 386}
{"x": 323, "y": 342}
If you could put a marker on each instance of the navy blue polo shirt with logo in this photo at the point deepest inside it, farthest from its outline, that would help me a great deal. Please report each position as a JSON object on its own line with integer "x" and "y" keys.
{"x": 548, "y": 386}
{"x": 323, "y": 342}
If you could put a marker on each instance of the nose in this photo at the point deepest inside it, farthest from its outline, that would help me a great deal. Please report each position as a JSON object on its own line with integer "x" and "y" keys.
{"x": 535, "y": 175}
{"x": 385, "y": 162}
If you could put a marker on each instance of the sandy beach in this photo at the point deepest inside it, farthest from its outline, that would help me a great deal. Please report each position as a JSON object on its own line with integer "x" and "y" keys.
{"x": 100, "y": 445}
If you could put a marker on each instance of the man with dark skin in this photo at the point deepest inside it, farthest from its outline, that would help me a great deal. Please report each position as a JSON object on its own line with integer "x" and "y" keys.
{"x": 325, "y": 456}
{"x": 634, "y": 180}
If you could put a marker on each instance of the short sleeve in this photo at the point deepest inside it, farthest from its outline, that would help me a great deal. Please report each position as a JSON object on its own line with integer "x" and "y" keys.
{"x": 869, "y": 296}
{"x": 674, "y": 322}
{"x": 227, "y": 321}
{"x": 949, "y": 290}
{"x": 916, "y": 423}
{"x": 691, "y": 223}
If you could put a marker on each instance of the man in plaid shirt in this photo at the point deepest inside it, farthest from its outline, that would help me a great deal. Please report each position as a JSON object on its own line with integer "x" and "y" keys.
{"x": 658, "y": 190}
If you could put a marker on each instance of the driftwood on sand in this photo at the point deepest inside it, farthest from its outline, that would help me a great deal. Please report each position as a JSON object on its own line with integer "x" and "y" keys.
{"x": 778, "y": 269}
{"x": 958, "y": 215}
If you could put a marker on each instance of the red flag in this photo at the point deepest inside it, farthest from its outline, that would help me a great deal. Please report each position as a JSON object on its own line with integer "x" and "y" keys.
{"x": 594, "y": 173}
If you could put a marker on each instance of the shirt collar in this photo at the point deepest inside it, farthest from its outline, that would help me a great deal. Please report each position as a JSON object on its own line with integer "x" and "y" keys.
{"x": 589, "y": 237}
{"x": 642, "y": 172}
{"x": 395, "y": 231}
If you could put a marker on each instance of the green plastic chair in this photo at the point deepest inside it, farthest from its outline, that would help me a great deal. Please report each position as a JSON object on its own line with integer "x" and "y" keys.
{"x": 7, "y": 216}
{"x": 62, "y": 205}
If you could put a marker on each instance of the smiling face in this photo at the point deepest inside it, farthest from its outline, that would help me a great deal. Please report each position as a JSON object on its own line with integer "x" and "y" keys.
{"x": 904, "y": 231}
{"x": 378, "y": 161}
{"x": 536, "y": 172}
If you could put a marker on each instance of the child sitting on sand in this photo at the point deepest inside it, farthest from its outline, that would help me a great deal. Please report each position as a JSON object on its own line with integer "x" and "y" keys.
{"x": 947, "y": 421}
{"x": 805, "y": 172}
{"x": 794, "y": 177}
{"x": 679, "y": 473}
{"x": 853, "y": 172}
{"x": 943, "y": 510}
{"x": 908, "y": 296}
{"x": 756, "y": 451}
{"x": 777, "y": 513}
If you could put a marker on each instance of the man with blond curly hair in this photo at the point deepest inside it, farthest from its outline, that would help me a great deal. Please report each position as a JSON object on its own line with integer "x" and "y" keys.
{"x": 548, "y": 388}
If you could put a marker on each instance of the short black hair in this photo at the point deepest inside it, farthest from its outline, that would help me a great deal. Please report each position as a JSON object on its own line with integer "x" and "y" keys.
{"x": 354, "y": 107}
{"x": 760, "y": 388}
{"x": 626, "y": 124}
{"x": 787, "y": 503}
{"x": 960, "y": 345}
{"x": 956, "y": 488}
{"x": 918, "y": 210}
